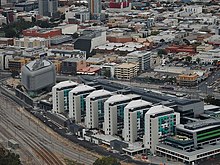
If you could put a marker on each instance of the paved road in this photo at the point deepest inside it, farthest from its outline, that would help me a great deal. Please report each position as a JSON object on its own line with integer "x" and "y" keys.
{"x": 41, "y": 142}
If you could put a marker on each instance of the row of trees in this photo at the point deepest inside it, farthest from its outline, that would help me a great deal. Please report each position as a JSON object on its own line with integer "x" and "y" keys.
{"x": 15, "y": 29}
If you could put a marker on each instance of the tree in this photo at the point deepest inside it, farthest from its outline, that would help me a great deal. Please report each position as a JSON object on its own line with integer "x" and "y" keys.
{"x": 9, "y": 158}
{"x": 10, "y": 33}
{"x": 188, "y": 58}
{"x": 63, "y": 16}
{"x": 162, "y": 52}
{"x": 107, "y": 161}
{"x": 215, "y": 62}
{"x": 198, "y": 60}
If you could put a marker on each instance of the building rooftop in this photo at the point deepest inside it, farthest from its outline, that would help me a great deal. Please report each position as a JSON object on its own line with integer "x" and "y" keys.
{"x": 82, "y": 88}
{"x": 137, "y": 103}
{"x": 138, "y": 53}
{"x": 72, "y": 59}
{"x": 38, "y": 64}
{"x": 65, "y": 84}
{"x": 202, "y": 124}
{"x": 126, "y": 65}
{"x": 117, "y": 98}
{"x": 158, "y": 109}
{"x": 99, "y": 93}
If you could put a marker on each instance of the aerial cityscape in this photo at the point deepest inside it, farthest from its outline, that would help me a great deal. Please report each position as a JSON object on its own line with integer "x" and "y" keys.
{"x": 115, "y": 82}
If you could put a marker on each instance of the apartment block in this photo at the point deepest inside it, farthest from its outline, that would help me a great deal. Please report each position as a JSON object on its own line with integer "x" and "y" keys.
{"x": 77, "y": 102}
{"x": 95, "y": 108}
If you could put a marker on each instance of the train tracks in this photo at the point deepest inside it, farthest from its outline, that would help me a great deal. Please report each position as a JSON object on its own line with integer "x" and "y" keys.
{"x": 29, "y": 138}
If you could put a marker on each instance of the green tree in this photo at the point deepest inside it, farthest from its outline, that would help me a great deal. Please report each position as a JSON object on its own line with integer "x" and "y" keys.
{"x": 10, "y": 33}
{"x": 9, "y": 158}
{"x": 188, "y": 58}
{"x": 107, "y": 161}
{"x": 198, "y": 60}
{"x": 162, "y": 52}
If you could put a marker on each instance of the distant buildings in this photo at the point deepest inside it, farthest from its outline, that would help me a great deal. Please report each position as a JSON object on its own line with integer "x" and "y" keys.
{"x": 28, "y": 42}
{"x": 38, "y": 75}
{"x": 89, "y": 40}
{"x": 140, "y": 57}
{"x": 95, "y": 8}
{"x": 70, "y": 66}
{"x": 48, "y": 7}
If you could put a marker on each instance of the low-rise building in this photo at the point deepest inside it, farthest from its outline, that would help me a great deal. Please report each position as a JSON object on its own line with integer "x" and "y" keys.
{"x": 187, "y": 79}
{"x": 126, "y": 71}
{"x": 193, "y": 141}
{"x": 71, "y": 65}
{"x": 31, "y": 42}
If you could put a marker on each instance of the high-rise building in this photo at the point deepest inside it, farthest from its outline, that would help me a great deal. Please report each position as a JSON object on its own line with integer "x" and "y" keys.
{"x": 60, "y": 96}
{"x": 95, "y": 8}
{"x": 160, "y": 122}
{"x": 134, "y": 120}
{"x": 77, "y": 102}
{"x": 47, "y": 7}
{"x": 95, "y": 108}
{"x": 114, "y": 113}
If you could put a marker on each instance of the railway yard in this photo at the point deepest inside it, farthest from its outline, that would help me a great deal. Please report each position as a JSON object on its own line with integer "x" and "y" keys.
{"x": 38, "y": 143}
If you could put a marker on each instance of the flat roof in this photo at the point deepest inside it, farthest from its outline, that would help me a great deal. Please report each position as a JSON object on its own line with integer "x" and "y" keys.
{"x": 205, "y": 149}
{"x": 126, "y": 65}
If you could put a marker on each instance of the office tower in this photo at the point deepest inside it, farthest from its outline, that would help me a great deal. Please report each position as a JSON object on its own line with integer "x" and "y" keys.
{"x": 160, "y": 122}
{"x": 95, "y": 108}
{"x": 114, "y": 113}
{"x": 77, "y": 102}
{"x": 60, "y": 96}
{"x": 47, "y": 7}
{"x": 134, "y": 120}
{"x": 95, "y": 8}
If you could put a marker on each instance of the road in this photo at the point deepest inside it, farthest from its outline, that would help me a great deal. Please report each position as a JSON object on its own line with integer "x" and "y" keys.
{"x": 39, "y": 144}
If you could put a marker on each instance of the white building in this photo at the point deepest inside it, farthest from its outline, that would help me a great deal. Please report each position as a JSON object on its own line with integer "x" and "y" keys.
{"x": 160, "y": 122}
{"x": 134, "y": 120}
{"x": 207, "y": 57}
{"x": 140, "y": 57}
{"x": 193, "y": 9}
{"x": 114, "y": 113}
{"x": 31, "y": 42}
{"x": 77, "y": 102}
{"x": 95, "y": 108}
{"x": 60, "y": 96}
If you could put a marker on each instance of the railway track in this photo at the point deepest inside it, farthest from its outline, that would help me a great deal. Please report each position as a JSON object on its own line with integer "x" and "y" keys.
{"x": 45, "y": 154}
{"x": 37, "y": 132}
